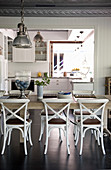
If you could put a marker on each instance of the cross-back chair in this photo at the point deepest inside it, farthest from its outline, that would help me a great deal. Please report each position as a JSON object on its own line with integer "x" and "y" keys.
{"x": 43, "y": 122}
{"x": 2, "y": 92}
{"x": 93, "y": 121}
{"x": 57, "y": 120}
{"x": 85, "y": 94}
{"x": 14, "y": 121}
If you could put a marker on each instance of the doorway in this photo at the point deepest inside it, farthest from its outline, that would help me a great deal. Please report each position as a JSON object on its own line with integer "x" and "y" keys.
{"x": 75, "y": 58}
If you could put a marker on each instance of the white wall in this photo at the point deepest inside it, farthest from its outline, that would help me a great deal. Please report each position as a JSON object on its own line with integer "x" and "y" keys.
{"x": 33, "y": 67}
{"x": 102, "y": 26}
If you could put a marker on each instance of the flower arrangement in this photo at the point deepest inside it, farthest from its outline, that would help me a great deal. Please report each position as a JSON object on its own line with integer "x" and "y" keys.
{"x": 44, "y": 82}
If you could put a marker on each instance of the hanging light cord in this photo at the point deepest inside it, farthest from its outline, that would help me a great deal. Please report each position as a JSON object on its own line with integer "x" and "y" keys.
{"x": 22, "y": 11}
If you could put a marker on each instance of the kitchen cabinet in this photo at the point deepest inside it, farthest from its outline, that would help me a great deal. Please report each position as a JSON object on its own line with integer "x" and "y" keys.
{"x": 10, "y": 58}
{"x": 58, "y": 84}
{"x": 82, "y": 87}
{"x": 3, "y": 74}
{"x": 41, "y": 51}
{"x": 23, "y": 54}
{"x": 5, "y": 48}
{"x": 3, "y": 45}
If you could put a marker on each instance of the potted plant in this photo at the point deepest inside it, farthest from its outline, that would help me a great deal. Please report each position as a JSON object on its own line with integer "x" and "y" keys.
{"x": 40, "y": 84}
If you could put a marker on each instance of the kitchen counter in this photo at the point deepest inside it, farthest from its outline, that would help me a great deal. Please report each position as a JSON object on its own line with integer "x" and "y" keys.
{"x": 73, "y": 78}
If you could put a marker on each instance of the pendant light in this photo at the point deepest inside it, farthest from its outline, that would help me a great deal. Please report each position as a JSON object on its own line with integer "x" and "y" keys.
{"x": 22, "y": 40}
{"x": 38, "y": 38}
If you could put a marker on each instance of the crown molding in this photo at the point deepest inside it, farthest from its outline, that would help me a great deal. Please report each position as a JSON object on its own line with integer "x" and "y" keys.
{"x": 58, "y": 12}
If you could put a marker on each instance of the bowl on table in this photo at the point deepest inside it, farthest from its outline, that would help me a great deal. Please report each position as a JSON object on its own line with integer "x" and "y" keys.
{"x": 64, "y": 95}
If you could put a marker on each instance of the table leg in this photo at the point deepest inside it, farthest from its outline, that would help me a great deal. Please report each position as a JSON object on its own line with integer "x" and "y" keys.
{"x": 22, "y": 115}
{"x": 105, "y": 118}
{"x": 106, "y": 122}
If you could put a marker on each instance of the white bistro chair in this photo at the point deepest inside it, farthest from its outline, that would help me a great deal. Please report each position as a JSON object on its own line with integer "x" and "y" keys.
{"x": 57, "y": 120}
{"x": 15, "y": 121}
{"x": 82, "y": 90}
{"x": 2, "y": 92}
{"x": 93, "y": 121}
{"x": 43, "y": 122}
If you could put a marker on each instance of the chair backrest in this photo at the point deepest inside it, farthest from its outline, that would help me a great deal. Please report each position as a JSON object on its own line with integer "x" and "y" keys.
{"x": 94, "y": 106}
{"x": 13, "y": 107}
{"x": 57, "y": 106}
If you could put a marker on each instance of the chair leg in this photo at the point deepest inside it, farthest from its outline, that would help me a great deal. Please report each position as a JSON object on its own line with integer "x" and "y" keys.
{"x": 30, "y": 139}
{"x": 95, "y": 134}
{"x": 98, "y": 138}
{"x": 81, "y": 143}
{"x": 9, "y": 138}
{"x": 74, "y": 127}
{"x": 42, "y": 129}
{"x": 67, "y": 142}
{"x": 77, "y": 136}
{"x": 25, "y": 145}
{"x": 92, "y": 131}
{"x": 60, "y": 137}
{"x": 4, "y": 143}
{"x": 102, "y": 143}
{"x": 1, "y": 124}
{"x": 46, "y": 142}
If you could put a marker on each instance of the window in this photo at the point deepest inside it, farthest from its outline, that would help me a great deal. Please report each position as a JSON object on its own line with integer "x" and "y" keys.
{"x": 55, "y": 61}
{"x": 58, "y": 64}
{"x": 61, "y": 61}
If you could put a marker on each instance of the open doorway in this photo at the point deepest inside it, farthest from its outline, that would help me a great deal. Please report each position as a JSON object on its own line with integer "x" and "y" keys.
{"x": 74, "y": 58}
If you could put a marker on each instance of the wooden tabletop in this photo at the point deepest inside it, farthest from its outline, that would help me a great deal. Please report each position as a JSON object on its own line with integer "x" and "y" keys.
{"x": 37, "y": 104}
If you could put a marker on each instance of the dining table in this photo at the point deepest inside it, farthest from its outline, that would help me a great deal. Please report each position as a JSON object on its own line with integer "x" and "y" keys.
{"x": 37, "y": 104}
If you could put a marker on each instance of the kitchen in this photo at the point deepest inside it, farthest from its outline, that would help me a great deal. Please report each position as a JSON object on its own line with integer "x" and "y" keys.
{"x": 33, "y": 60}
{"x": 95, "y": 16}
{"x": 101, "y": 66}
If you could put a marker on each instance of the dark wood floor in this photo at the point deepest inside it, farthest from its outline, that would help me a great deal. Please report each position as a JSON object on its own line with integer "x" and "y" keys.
{"x": 56, "y": 158}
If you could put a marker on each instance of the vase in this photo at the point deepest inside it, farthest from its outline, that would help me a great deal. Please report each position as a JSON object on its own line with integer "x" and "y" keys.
{"x": 22, "y": 82}
{"x": 39, "y": 92}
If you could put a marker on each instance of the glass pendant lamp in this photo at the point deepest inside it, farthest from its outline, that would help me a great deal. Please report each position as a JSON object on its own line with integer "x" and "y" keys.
{"x": 38, "y": 38}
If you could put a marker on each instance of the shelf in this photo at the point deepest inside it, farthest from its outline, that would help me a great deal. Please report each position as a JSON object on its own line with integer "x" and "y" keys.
{"x": 40, "y": 59}
{"x": 40, "y": 48}
{"x": 41, "y": 52}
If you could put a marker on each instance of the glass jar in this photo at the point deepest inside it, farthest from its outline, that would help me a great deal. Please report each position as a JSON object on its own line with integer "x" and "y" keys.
{"x": 22, "y": 82}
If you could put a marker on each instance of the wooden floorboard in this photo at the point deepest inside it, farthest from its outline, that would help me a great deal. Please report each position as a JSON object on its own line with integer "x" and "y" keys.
{"x": 56, "y": 158}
